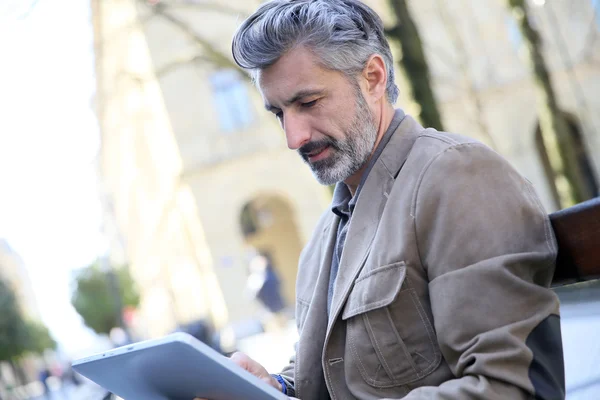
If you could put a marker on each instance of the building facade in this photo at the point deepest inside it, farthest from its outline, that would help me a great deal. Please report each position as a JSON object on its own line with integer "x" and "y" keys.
{"x": 196, "y": 175}
{"x": 14, "y": 272}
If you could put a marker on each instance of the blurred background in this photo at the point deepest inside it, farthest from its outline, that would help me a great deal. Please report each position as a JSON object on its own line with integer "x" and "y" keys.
{"x": 145, "y": 190}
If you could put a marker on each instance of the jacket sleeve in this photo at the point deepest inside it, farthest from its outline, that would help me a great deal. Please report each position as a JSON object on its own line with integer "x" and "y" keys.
{"x": 288, "y": 376}
{"x": 489, "y": 251}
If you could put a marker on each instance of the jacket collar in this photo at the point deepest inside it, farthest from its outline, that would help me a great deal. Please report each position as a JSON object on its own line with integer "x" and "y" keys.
{"x": 368, "y": 210}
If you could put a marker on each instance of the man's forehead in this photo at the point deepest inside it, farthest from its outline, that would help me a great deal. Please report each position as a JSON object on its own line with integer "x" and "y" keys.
{"x": 282, "y": 90}
{"x": 291, "y": 78}
{"x": 291, "y": 68}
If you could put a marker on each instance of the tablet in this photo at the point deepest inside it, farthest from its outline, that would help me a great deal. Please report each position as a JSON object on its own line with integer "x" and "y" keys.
{"x": 175, "y": 367}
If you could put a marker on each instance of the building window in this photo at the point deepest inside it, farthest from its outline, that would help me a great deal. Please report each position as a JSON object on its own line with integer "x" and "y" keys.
{"x": 232, "y": 100}
{"x": 596, "y": 6}
{"x": 514, "y": 34}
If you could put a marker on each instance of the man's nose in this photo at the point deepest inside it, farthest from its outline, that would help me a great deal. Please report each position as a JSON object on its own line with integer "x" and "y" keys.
{"x": 297, "y": 131}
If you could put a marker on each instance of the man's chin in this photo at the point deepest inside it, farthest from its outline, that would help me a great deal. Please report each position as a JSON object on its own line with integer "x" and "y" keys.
{"x": 331, "y": 170}
{"x": 328, "y": 178}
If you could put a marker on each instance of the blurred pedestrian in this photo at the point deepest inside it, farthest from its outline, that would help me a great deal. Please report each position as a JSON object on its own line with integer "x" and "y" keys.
{"x": 263, "y": 283}
{"x": 43, "y": 378}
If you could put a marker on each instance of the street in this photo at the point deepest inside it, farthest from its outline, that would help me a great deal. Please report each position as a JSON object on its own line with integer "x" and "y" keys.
{"x": 84, "y": 391}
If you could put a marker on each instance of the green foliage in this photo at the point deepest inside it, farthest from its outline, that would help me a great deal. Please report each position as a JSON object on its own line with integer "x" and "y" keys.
{"x": 100, "y": 295}
{"x": 38, "y": 338}
{"x": 18, "y": 336}
{"x": 12, "y": 325}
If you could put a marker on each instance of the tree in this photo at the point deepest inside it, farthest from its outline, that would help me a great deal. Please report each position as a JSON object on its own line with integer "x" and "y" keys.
{"x": 464, "y": 67}
{"x": 18, "y": 336}
{"x": 568, "y": 177}
{"x": 413, "y": 63}
{"x": 12, "y": 326}
{"x": 100, "y": 295}
{"x": 208, "y": 52}
{"x": 38, "y": 338}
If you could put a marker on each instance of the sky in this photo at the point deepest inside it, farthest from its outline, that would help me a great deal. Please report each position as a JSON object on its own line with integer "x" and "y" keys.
{"x": 49, "y": 208}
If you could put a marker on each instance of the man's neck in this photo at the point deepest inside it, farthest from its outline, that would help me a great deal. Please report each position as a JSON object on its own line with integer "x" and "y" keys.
{"x": 385, "y": 119}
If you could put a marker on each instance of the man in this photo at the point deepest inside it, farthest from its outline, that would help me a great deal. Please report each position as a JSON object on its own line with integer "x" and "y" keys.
{"x": 428, "y": 278}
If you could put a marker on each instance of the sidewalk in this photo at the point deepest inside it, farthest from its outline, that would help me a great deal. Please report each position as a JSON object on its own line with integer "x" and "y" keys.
{"x": 85, "y": 391}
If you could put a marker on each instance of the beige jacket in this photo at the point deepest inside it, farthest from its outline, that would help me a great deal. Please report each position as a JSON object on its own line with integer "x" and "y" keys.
{"x": 442, "y": 290}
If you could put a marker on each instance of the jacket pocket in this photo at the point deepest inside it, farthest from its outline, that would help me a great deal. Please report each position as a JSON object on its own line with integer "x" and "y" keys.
{"x": 389, "y": 337}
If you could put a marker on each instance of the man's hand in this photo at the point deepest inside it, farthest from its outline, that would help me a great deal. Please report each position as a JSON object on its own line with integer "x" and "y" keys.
{"x": 255, "y": 369}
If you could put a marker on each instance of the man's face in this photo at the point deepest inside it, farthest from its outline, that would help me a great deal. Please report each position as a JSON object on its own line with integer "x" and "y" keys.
{"x": 325, "y": 116}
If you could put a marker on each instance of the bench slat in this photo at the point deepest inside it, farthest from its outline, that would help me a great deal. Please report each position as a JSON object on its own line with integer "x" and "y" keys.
{"x": 577, "y": 231}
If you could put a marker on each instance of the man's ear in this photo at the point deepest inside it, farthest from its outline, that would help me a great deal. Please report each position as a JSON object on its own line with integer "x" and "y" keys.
{"x": 375, "y": 77}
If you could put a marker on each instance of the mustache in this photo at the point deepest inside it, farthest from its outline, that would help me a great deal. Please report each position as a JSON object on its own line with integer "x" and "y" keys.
{"x": 314, "y": 146}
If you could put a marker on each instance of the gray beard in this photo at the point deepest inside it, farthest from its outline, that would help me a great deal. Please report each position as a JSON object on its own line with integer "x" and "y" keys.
{"x": 350, "y": 154}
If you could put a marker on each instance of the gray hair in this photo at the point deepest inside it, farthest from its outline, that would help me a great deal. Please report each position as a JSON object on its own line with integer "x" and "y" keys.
{"x": 343, "y": 34}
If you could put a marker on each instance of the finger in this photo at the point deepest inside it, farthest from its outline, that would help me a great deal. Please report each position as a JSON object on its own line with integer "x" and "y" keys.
{"x": 249, "y": 364}
{"x": 241, "y": 359}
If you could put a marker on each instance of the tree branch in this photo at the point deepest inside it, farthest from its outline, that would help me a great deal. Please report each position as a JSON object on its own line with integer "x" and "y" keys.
{"x": 29, "y": 10}
{"x": 413, "y": 63}
{"x": 216, "y": 56}
{"x": 206, "y": 5}
{"x": 19, "y": 11}
{"x": 162, "y": 71}
{"x": 441, "y": 53}
{"x": 591, "y": 37}
{"x": 465, "y": 70}
{"x": 560, "y": 146}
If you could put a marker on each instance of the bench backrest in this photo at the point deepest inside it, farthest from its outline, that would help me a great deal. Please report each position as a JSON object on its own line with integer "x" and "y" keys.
{"x": 577, "y": 231}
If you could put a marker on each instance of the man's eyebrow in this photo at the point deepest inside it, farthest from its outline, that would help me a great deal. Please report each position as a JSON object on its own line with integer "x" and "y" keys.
{"x": 299, "y": 95}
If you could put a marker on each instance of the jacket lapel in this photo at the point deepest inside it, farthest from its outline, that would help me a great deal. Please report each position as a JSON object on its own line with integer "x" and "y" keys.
{"x": 309, "y": 371}
{"x": 368, "y": 210}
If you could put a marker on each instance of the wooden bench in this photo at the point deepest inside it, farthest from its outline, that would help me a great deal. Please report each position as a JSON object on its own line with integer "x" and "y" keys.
{"x": 577, "y": 231}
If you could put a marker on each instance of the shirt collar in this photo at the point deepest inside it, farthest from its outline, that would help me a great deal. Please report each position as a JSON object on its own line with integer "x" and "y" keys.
{"x": 342, "y": 197}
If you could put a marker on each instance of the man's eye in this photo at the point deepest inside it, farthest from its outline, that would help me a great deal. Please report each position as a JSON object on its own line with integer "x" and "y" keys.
{"x": 279, "y": 115}
{"x": 309, "y": 104}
